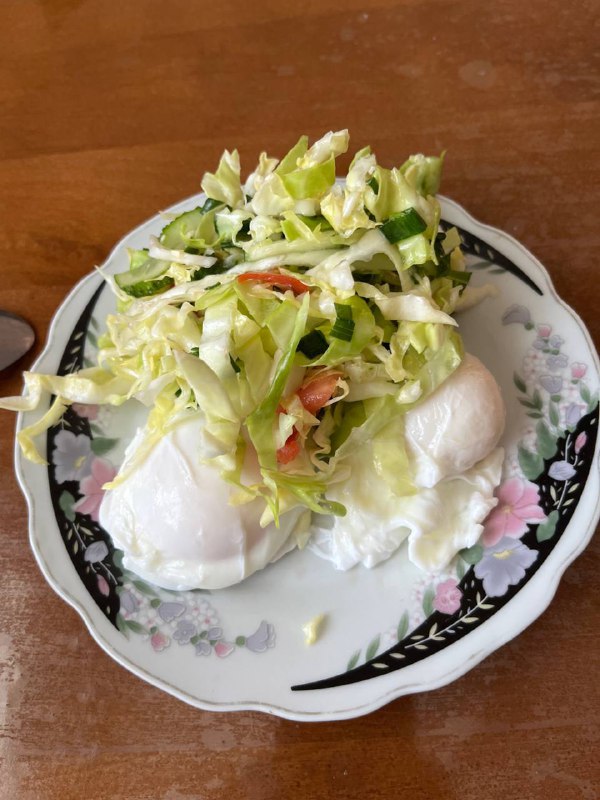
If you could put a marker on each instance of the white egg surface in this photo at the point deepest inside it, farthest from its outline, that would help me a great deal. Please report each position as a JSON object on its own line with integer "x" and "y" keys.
{"x": 451, "y": 441}
{"x": 172, "y": 518}
{"x": 457, "y": 425}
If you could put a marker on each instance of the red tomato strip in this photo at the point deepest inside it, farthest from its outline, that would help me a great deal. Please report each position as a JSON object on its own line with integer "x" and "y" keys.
{"x": 275, "y": 279}
{"x": 290, "y": 449}
{"x": 318, "y": 391}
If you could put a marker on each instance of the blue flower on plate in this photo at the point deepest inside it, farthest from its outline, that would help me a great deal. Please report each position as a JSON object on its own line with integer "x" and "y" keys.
{"x": 557, "y": 362}
{"x": 170, "y": 611}
{"x": 503, "y": 565}
{"x": 129, "y": 602}
{"x": 573, "y": 413}
{"x": 184, "y": 631}
{"x": 561, "y": 471}
{"x": 72, "y": 456}
{"x": 95, "y": 552}
{"x": 203, "y": 648}
{"x": 551, "y": 383}
{"x": 262, "y": 638}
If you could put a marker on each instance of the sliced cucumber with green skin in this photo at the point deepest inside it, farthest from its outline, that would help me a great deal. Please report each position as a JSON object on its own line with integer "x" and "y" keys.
{"x": 147, "y": 288}
{"x": 146, "y": 279}
{"x": 177, "y": 234}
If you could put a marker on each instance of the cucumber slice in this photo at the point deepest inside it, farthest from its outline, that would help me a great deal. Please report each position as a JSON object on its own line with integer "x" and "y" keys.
{"x": 147, "y": 288}
{"x": 195, "y": 224}
{"x": 146, "y": 279}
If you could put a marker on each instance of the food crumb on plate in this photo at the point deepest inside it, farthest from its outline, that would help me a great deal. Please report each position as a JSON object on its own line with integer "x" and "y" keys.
{"x": 312, "y": 629}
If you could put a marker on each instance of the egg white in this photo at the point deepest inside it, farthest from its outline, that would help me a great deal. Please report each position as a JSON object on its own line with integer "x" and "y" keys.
{"x": 173, "y": 520}
{"x": 451, "y": 440}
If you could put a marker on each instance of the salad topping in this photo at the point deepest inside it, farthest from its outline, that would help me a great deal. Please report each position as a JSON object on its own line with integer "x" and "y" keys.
{"x": 300, "y": 315}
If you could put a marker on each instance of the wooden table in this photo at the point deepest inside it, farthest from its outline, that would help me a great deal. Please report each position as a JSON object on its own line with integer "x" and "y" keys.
{"x": 112, "y": 110}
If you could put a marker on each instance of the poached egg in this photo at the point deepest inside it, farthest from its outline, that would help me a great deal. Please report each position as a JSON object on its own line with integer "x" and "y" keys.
{"x": 451, "y": 440}
{"x": 173, "y": 519}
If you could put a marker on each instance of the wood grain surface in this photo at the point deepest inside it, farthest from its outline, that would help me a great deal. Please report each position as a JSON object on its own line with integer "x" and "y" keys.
{"x": 112, "y": 110}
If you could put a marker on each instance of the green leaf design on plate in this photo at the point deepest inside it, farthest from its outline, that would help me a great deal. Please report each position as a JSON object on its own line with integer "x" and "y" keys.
{"x": 537, "y": 400}
{"x": 353, "y": 660}
{"x": 144, "y": 588}
{"x": 585, "y": 393}
{"x": 531, "y": 464}
{"x": 92, "y": 339}
{"x": 135, "y": 626}
{"x": 546, "y": 443}
{"x": 66, "y": 501}
{"x": 428, "y": 601}
{"x": 472, "y": 555}
{"x": 546, "y": 529}
{"x": 372, "y": 648}
{"x": 554, "y": 415}
{"x": 402, "y": 626}
{"x": 121, "y": 624}
{"x": 519, "y": 382}
{"x": 102, "y": 445}
{"x": 527, "y": 403}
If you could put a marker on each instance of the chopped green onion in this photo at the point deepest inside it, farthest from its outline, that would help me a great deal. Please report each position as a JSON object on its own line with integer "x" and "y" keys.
{"x": 216, "y": 269}
{"x": 459, "y": 277}
{"x": 343, "y": 311}
{"x": 403, "y": 225}
{"x": 428, "y": 270}
{"x": 209, "y": 204}
{"x": 442, "y": 257}
{"x": 343, "y": 327}
{"x": 313, "y": 344}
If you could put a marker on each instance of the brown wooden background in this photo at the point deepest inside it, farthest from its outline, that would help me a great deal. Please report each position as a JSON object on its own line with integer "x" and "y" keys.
{"x": 112, "y": 109}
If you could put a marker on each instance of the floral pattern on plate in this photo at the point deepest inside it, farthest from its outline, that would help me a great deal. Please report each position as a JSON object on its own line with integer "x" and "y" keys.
{"x": 542, "y": 482}
{"x": 80, "y": 464}
{"x": 540, "y": 486}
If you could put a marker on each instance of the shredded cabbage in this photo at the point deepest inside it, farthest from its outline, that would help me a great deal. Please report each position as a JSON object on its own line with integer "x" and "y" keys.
{"x": 281, "y": 283}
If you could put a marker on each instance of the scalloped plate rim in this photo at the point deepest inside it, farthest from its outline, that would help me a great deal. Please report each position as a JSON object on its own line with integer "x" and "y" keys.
{"x": 544, "y": 596}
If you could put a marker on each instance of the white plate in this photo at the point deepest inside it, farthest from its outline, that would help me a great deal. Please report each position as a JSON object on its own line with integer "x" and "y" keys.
{"x": 391, "y": 630}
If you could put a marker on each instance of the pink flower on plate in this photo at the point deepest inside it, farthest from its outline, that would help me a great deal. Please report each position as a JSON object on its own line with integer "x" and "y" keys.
{"x": 159, "y": 641}
{"x": 91, "y": 488}
{"x": 580, "y": 441}
{"x": 518, "y": 505}
{"x": 223, "y": 649}
{"x": 544, "y": 331}
{"x": 447, "y": 597}
{"x": 86, "y": 410}
{"x": 578, "y": 370}
{"x": 103, "y": 587}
